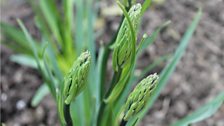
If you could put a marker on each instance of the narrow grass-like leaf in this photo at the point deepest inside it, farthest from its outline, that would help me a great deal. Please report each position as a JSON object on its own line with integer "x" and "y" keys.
{"x": 168, "y": 70}
{"x": 17, "y": 36}
{"x": 41, "y": 92}
{"x": 79, "y": 30}
{"x": 203, "y": 112}
{"x": 30, "y": 41}
{"x": 67, "y": 27}
{"x": 37, "y": 59}
{"x": 145, "y": 6}
{"x": 54, "y": 63}
{"x": 92, "y": 91}
{"x": 153, "y": 65}
{"x": 149, "y": 40}
{"x": 146, "y": 70}
{"x": 24, "y": 60}
{"x": 51, "y": 81}
{"x": 51, "y": 16}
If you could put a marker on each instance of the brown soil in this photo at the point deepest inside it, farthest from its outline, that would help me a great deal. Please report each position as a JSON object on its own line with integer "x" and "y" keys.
{"x": 197, "y": 79}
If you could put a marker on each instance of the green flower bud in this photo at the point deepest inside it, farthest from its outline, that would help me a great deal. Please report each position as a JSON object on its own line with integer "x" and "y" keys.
{"x": 75, "y": 80}
{"x": 123, "y": 46}
{"x": 139, "y": 96}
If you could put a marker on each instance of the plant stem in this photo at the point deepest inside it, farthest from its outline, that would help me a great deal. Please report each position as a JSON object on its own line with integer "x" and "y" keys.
{"x": 115, "y": 79}
{"x": 67, "y": 115}
{"x": 105, "y": 60}
{"x": 103, "y": 72}
{"x": 106, "y": 57}
{"x": 123, "y": 122}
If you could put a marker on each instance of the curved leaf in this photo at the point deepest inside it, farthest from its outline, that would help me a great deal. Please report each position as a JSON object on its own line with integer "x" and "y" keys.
{"x": 203, "y": 112}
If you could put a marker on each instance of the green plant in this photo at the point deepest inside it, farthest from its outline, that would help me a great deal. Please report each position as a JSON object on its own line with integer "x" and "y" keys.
{"x": 77, "y": 83}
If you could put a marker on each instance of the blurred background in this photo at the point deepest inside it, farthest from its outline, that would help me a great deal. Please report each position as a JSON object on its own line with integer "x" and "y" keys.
{"x": 198, "y": 78}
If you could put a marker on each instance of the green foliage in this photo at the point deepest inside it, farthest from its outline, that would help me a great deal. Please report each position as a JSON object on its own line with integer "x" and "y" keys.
{"x": 139, "y": 96}
{"x": 170, "y": 67}
{"x": 58, "y": 56}
{"x": 203, "y": 112}
{"x": 75, "y": 80}
{"x": 42, "y": 91}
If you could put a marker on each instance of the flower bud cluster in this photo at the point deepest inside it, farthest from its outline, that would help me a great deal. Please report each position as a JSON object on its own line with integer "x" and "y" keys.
{"x": 140, "y": 95}
{"x": 123, "y": 46}
{"x": 75, "y": 80}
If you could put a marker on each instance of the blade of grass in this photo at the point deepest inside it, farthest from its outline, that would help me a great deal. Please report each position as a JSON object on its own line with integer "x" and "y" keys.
{"x": 149, "y": 40}
{"x": 146, "y": 5}
{"x": 203, "y": 112}
{"x": 67, "y": 27}
{"x": 54, "y": 63}
{"x": 153, "y": 65}
{"x": 51, "y": 81}
{"x": 79, "y": 32}
{"x": 168, "y": 70}
{"x": 41, "y": 92}
{"x": 144, "y": 73}
{"x": 17, "y": 36}
{"x": 46, "y": 33}
{"x": 24, "y": 60}
{"x": 31, "y": 43}
{"x": 93, "y": 91}
{"x": 51, "y": 15}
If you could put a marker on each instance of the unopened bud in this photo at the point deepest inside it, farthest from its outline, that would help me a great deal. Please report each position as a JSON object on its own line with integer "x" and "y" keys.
{"x": 139, "y": 96}
{"x": 75, "y": 80}
{"x": 123, "y": 46}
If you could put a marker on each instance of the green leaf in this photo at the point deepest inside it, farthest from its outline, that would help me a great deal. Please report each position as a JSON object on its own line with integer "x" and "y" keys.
{"x": 54, "y": 63}
{"x": 203, "y": 112}
{"x": 93, "y": 91}
{"x": 51, "y": 15}
{"x": 24, "y": 60}
{"x": 50, "y": 78}
{"x": 149, "y": 40}
{"x": 17, "y": 36}
{"x": 67, "y": 27}
{"x": 168, "y": 70}
{"x": 153, "y": 65}
{"x": 79, "y": 27}
{"x": 31, "y": 43}
{"x": 41, "y": 92}
{"x": 145, "y": 6}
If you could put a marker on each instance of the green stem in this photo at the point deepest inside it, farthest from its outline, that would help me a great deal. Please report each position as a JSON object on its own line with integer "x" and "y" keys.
{"x": 106, "y": 57}
{"x": 67, "y": 115}
{"x": 115, "y": 79}
{"x": 104, "y": 62}
{"x": 123, "y": 122}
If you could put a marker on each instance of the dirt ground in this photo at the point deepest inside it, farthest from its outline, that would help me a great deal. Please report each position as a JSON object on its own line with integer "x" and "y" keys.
{"x": 198, "y": 78}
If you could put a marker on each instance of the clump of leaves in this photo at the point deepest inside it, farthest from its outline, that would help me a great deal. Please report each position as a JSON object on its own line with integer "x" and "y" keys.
{"x": 76, "y": 78}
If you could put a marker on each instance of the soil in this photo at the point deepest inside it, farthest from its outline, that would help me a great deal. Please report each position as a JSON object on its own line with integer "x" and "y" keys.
{"x": 198, "y": 78}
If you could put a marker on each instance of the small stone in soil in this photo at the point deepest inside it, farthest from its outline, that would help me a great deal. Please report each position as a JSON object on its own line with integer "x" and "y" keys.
{"x": 20, "y": 105}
